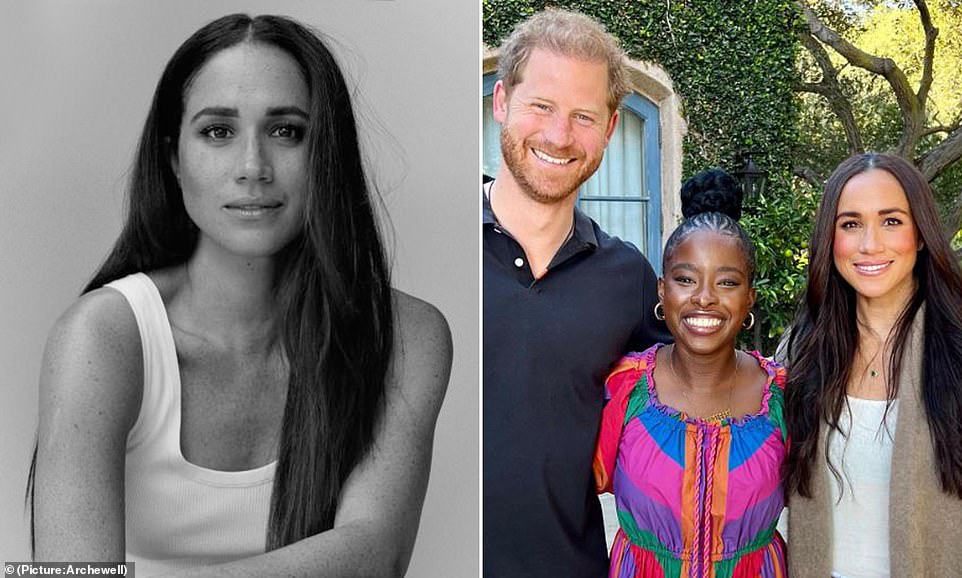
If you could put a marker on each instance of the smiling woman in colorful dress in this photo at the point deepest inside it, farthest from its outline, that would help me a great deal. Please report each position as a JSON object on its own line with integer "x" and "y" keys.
{"x": 692, "y": 438}
{"x": 874, "y": 403}
{"x": 239, "y": 391}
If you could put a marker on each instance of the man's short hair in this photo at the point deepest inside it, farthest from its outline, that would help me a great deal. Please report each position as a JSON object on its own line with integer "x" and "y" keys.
{"x": 566, "y": 33}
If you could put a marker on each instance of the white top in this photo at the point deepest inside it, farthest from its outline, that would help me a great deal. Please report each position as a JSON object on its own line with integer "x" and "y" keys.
{"x": 180, "y": 515}
{"x": 860, "y": 511}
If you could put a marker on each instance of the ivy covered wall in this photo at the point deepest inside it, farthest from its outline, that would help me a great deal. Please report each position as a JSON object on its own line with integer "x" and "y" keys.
{"x": 733, "y": 65}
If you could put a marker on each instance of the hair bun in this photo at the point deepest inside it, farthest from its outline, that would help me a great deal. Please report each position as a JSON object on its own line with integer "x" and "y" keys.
{"x": 711, "y": 191}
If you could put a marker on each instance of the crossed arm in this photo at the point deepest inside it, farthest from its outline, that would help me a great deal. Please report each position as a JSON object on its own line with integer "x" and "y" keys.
{"x": 88, "y": 406}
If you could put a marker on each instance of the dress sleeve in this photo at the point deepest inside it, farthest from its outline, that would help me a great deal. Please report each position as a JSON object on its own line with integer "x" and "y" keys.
{"x": 618, "y": 387}
{"x": 776, "y": 398}
{"x": 781, "y": 380}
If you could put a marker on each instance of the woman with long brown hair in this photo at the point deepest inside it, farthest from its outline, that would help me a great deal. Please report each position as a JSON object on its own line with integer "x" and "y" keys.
{"x": 874, "y": 397}
{"x": 239, "y": 390}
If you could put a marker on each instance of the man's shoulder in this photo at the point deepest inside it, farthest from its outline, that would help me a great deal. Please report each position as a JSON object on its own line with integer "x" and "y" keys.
{"x": 617, "y": 248}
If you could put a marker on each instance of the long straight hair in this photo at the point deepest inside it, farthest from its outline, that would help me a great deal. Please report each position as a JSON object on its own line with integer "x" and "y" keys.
{"x": 332, "y": 283}
{"x": 825, "y": 337}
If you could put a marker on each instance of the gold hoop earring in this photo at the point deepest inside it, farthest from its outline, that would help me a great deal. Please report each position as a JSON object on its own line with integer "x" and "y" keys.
{"x": 751, "y": 321}
{"x": 660, "y": 317}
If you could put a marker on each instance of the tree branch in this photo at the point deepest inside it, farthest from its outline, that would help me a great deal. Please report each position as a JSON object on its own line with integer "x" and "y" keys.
{"x": 940, "y": 128}
{"x": 830, "y": 89}
{"x": 931, "y": 33}
{"x": 852, "y": 53}
{"x": 911, "y": 109}
{"x": 944, "y": 154}
{"x": 809, "y": 175}
{"x": 813, "y": 87}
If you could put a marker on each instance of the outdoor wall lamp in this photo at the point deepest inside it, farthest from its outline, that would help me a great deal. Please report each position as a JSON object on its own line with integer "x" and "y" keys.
{"x": 752, "y": 179}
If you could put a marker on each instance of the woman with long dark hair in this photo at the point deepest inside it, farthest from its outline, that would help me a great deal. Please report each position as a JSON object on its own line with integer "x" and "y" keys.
{"x": 874, "y": 398}
{"x": 239, "y": 390}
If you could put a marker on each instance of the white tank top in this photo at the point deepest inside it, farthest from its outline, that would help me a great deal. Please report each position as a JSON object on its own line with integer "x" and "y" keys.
{"x": 180, "y": 515}
{"x": 860, "y": 519}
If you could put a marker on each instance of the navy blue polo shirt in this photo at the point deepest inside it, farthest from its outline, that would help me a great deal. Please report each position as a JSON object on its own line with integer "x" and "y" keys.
{"x": 548, "y": 346}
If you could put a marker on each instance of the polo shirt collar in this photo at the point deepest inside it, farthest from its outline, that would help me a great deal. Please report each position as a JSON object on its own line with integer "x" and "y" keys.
{"x": 583, "y": 232}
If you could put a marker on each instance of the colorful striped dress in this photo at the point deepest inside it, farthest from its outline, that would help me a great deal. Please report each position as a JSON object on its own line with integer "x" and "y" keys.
{"x": 695, "y": 498}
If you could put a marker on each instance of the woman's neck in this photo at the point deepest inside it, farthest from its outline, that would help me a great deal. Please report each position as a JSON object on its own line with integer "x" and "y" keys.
{"x": 879, "y": 315}
{"x": 228, "y": 300}
{"x": 876, "y": 317}
{"x": 703, "y": 371}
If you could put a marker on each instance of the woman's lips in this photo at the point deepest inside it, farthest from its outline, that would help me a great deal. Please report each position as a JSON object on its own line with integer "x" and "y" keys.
{"x": 872, "y": 269}
{"x": 702, "y": 323}
{"x": 253, "y": 209}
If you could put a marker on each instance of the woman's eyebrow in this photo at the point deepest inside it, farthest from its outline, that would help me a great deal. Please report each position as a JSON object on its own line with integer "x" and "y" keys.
{"x": 846, "y": 214}
{"x": 856, "y": 214}
{"x": 229, "y": 112}
{"x": 215, "y": 111}
{"x": 684, "y": 267}
{"x": 892, "y": 210}
{"x": 287, "y": 111}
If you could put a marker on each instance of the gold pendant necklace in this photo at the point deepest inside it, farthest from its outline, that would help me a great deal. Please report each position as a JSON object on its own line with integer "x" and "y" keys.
{"x": 727, "y": 413}
{"x": 872, "y": 371}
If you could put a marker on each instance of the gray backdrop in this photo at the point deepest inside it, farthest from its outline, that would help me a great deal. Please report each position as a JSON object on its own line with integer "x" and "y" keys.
{"x": 76, "y": 78}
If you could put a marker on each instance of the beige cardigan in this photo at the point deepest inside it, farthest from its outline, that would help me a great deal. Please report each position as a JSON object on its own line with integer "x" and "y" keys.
{"x": 925, "y": 524}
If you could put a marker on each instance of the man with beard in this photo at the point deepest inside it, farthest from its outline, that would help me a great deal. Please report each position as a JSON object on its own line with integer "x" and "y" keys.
{"x": 562, "y": 299}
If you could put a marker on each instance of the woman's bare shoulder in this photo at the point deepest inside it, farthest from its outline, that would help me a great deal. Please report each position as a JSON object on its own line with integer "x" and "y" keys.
{"x": 102, "y": 314}
{"x": 93, "y": 353}
{"x": 91, "y": 386}
{"x": 418, "y": 317}
{"x": 423, "y": 346}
